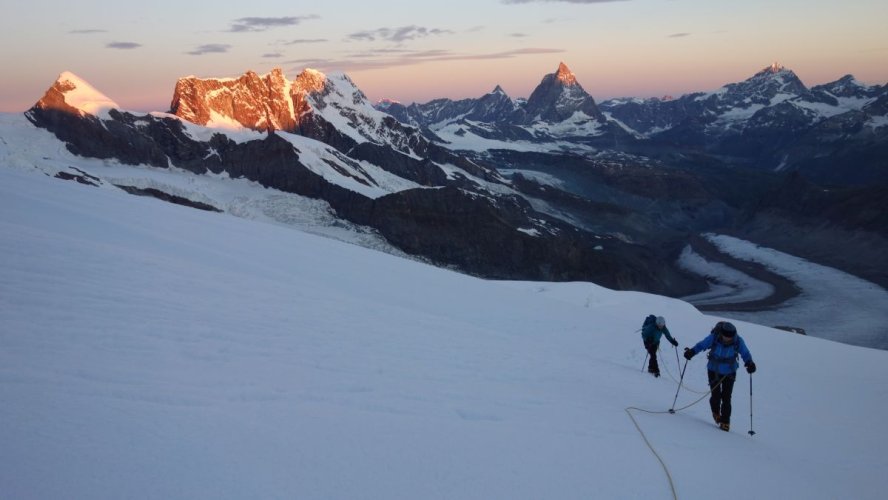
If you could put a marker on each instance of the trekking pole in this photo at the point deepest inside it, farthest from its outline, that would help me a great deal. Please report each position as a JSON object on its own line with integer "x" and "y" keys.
{"x": 672, "y": 410}
{"x": 677, "y": 361}
{"x": 645, "y": 362}
{"x": 751, "y": 432}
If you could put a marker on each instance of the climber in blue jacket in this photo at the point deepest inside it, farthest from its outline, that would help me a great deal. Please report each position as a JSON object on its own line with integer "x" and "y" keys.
{"x": 724, "y": 346}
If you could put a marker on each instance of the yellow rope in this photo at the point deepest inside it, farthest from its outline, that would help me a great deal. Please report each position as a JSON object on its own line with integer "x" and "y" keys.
{"x": 648, "y": 443}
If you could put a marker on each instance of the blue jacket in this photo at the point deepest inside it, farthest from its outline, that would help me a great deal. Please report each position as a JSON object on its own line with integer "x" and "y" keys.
{"x": 723, "y": 358}
{"x": 651, "y": 334}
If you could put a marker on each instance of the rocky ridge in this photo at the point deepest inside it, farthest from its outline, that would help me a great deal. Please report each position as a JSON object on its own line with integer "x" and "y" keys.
{"x": 371, "y": 169}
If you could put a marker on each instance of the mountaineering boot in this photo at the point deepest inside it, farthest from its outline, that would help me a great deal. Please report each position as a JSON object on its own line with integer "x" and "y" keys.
{"x": 716, "y": 417}
{"x": 724, "y": 426}
{"x": 655, "y": 373}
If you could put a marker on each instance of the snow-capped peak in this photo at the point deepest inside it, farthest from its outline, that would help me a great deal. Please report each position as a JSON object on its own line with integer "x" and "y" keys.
{"x": 310, "y": 80}
{"x": 76, "y": 93}
{"x": 386, "y": 102}
{"x": 498, "y": 90}
{"x": 774, "y": 69}
{"x": 850, "y": 82}
{"x": 564, "y": 75}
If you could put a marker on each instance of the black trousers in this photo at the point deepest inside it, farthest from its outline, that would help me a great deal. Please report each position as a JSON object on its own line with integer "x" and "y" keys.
{"x": 651, "y": 348}
{"x": 720, "y": 401}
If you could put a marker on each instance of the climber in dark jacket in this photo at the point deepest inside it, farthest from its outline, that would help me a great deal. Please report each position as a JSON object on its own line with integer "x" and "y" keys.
{"x": 650, "y": 335}
{"x": 724, "y": 346}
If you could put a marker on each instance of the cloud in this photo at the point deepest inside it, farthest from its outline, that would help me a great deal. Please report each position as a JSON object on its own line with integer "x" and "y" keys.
{"x": 86, "y": 32}
{"x": 518, "y": 35}
{"x": 272, "y": 55}
{"x": 210, "y": 48}
{"x": 248, "y": 24}
{"x": 396, "y": 35}
{"x": 565, "y": 1}
{"x": 678, "y": 35}
{"x": 123, "y": 45}
{"x": 301, "y": 41}
{"x": 410, "y": 58}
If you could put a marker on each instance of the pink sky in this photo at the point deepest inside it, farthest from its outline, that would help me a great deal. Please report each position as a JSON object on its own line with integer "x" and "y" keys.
{"x": 135, "y": 52}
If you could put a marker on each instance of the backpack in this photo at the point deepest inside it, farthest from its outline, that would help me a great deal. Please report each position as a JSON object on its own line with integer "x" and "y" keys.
{"x": 650, "y": 320}
{"x": 735, "y": 345}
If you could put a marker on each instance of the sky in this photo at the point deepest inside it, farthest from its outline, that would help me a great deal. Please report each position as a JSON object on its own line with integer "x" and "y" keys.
{"x": 417, "y": 51}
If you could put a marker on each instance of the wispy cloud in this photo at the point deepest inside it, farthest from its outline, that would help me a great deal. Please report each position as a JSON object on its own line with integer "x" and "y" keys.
{"x": 397, "y": 35}
{"x": 248, "y": 24}
{"x": 272, "y": 55}
{"x": 678, "y": 35}
{"x": 210, "y": 48}
{"x": 123, "y": 45}
{"x": 410, "y": 58}
{"x": 518, "y": 35}
{"x": 565, "y": 1}
{"x": 300, "y": 41}
{"x": 86, "y": 32}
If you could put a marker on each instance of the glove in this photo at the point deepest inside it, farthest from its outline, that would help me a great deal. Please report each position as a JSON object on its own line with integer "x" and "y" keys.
{"x": 674, "y": 342}
{"x": 689, "y": 353}
{"x": 750, "y": 367}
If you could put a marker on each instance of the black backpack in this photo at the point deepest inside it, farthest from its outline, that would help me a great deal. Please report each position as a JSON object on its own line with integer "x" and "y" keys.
{"x": 650, "y": 320}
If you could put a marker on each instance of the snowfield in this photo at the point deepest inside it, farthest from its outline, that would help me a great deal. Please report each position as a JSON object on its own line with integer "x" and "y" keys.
{"x": 149, "y": 350}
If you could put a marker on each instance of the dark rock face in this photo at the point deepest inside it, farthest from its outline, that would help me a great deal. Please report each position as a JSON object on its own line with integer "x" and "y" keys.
{"x": 499, "y": 239}
{"x": 160, "y": 195}
{"x": 844, "y": 228}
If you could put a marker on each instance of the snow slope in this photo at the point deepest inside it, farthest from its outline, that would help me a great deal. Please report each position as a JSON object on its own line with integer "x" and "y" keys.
{"x": 23, "y": 146}
{"x": 149, "y": 350}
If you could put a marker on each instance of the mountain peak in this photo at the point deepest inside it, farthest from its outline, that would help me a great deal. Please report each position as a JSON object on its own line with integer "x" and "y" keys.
{"x": 310, "y": 80}
{"x": 564, "y": 75}
{"x": 71, "y": 93}
{"x": 558, "y": 97}
{"x": 774, "y": 69}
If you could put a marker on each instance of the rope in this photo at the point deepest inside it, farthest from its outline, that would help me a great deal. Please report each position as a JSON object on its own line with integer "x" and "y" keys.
{"x": 666, "y": 367}
{"x": 648, "y": 443}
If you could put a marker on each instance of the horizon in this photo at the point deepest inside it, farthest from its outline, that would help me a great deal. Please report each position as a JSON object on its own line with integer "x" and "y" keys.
{"x": 616, "y": 48}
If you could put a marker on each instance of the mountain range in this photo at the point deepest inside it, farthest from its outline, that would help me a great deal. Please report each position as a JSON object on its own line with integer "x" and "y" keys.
{"x": 729, "y": 155}
{"x": 554, "y": 187}
{"x": 770, "y": 121}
